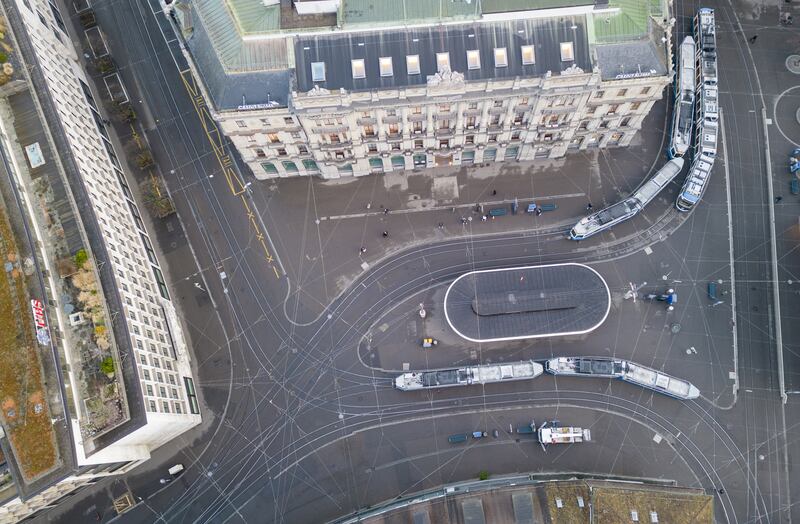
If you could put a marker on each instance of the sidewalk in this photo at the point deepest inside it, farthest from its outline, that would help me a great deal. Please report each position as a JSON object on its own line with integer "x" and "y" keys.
{"x": 319, "y": 227}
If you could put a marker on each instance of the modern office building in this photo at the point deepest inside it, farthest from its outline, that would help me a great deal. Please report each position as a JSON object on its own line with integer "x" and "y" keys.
{"x": 339, "y": 88}
{"x": 125, "y": 376}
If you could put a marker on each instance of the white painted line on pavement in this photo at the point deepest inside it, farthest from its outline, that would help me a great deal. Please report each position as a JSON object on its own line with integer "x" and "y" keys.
{"x": 735, "y": 372}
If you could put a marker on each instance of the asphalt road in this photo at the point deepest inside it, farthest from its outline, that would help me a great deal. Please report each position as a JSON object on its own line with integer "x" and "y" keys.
{"x": 298, "y": 430}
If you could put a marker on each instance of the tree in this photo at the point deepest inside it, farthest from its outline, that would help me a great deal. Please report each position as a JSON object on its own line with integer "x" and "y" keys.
{"x": 107, "y": 365}
{"x": 483, "y": 475}
{"x": 80, "y": 258}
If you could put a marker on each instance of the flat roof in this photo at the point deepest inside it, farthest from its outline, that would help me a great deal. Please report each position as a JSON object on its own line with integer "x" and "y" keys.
{"x": 527, "y": 302}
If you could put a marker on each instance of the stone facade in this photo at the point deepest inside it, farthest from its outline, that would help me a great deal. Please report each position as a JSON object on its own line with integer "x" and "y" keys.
{"x": 446, "y": 122}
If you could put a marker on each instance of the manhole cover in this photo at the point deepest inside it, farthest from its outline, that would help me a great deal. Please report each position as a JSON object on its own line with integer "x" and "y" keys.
{"x": 675, "y": 328}
{"x": 793, "y": 64}
{"x": 123, "y": 503}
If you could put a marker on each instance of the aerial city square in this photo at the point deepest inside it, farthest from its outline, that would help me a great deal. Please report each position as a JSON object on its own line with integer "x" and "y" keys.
{"x": 408, "y": 261}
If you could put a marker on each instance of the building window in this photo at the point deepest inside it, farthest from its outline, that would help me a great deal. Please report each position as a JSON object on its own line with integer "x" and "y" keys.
{"x": 511, "y": 152}
{"x": 442, "y": 61}
{"x": 273, "y": 138}
{"x": 515, "y": 135}
{"x": 567, "y": 52}
{"x": 469, "y": 139}
{"x": 498, "y": 103}
{"x": 625, "y": 122}
{"x": 473, "y": 105}
{"x": 394, "y": 129}
{"x": 317, "y": 71}
{"x": 288, "y": 120}
{"x": 269, "y": 168}
{"x": 612, "y": 110}
{"x": 473, "y": 59}
{"x": 635, "y": 106}
{"x": 412, "y": 64}
{"x": 178, "y": 408}
{"x": 444, "y": 144}
{"x": 495, "y": 121}
{"x": 391, "y": 112}
{"x": 490, "y": 154}
{"x": 372, "y": 148}
{"x": 444, "y": 124}
{"x": 282, "y": 151}
{"x": 444, "y": 108}
{"x": 376, "y": 165}
{"x": 241, "y": 123}
{"x": 334, "y": 138}
{"x": 146, "y": 374}
{"x": 162, "y": 286}
{"x": 419, "y": 144}
{"x": 346, "y": 170}
{"x": 622, "y": 92}
{"x": 468, "y": 157}
{"x": 528, "y": 55}
{"x": 492, "y": 138}
{"x": 524, "y": 101}
{"x": 417, "y": 127}
{"x": 385, "y": 63}
{"x": 358, "y": 68}
{"x": 604, "y": 124}
{"x": 500, "y": 57}
{"x": 290, "y": 167}
{"x": 398, "y": 162}
{"x": 416, "y": 110}
{"x": 310, "y": 165}
{"x": 149, "y": 389}
{"x": 165, "y": 405}
{"x": 301, "y": 149}
{"x": 646, "y": 90}
{"x": 295, "y": 134}
{"x": 260, "y": 153}
{"x": 369, "y": 131}
{"x": 153, "y": 406}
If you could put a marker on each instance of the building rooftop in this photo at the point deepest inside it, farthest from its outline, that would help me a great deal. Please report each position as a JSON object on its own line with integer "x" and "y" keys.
{"x": 247, "y": 52}
{"x": 527, "y": 302}
{"x": 499, "y": 47}
{"x": 522, "y": 501}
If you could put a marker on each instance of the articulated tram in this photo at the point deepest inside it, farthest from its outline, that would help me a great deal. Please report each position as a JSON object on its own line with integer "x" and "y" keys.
{"x": 621, "y": 211}
{"x": 683, "y": 117}
{"x": 706, "y": 118}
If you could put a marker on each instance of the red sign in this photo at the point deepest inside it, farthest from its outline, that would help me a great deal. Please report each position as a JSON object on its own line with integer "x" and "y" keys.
{"x": 38, "y": 313}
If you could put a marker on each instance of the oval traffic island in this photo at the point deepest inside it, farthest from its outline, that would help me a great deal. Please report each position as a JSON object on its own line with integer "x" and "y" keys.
{"x": 527, "y": 302}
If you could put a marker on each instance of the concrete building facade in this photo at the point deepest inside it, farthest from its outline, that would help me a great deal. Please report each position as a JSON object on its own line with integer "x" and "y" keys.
{"x": 348, "y": 93}
{"x": 151, "y": 357}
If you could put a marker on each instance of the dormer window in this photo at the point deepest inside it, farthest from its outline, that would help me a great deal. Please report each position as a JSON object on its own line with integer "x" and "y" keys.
{"x": 500, "y": 57}
{"x": 412, "y": 64}
{"x": 317, "y": 71}
{"x": 567, "y": 52}
{"x": 442, "y": 61}
{"x": 358, "y": 68}
{"x": 528, "y": 55}
{"x": 385, "y": 63}
{"x": 473, "y": 59}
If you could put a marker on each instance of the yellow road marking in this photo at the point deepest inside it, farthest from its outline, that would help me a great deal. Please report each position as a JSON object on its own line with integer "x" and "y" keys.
{"x": 217, "y": 142}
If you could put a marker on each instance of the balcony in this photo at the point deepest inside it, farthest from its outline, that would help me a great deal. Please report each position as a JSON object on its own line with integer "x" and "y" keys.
{"x": 417, "y": 132}
{"x": 370, "y": 138}
{"x": 552, "y": 127}
{"x": 335, "y": 145}
{"x": 366, "y": 121}
{"x": 444, "y": 133}
{"x": 476, "y": 127}
{"x": 495, "y": 128}
{"x": 394, "y": 137}
{"x": 519, "y": 125}
{"x": 414, "y": 117}
{"x": 521, "y": 108}
{"x": 331, "y": 129}
{"x": 497, "y": 110}
{"x": 391, "y": 120}
{"x": 472, "y": 112}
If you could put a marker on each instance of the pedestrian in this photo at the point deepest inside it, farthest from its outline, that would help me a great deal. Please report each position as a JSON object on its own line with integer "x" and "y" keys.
{"x": 494, "y": 192}
{"x": 441, "y": 225}
{"x": 386, "y": 211}
{"x": 385, "y": 234}
{"x": 363, "y": 250}
{"x": 753, "y": 39}
{"x": 369, "y": 205}
{"x": 589, "y": 206}
{"x": 721, "y": 491}
{"x": 538, "y": 211}
{"x": 483, "y": 218}
{"x": 778, "y": 199}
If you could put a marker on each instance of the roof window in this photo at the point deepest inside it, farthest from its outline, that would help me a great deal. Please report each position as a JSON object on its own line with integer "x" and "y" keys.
{"x": 528, "y": 55}
{"x": 317, "y": 71}
{"x": 567, "y": 52}
{"x": 442, "y": 61}
{"x": 359, "y": 70}
{"x": 385, "y": 63}
{"x": 412, "y": 64}
{"x": 500, "y": 57}
{"x": 473, "y": 59}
